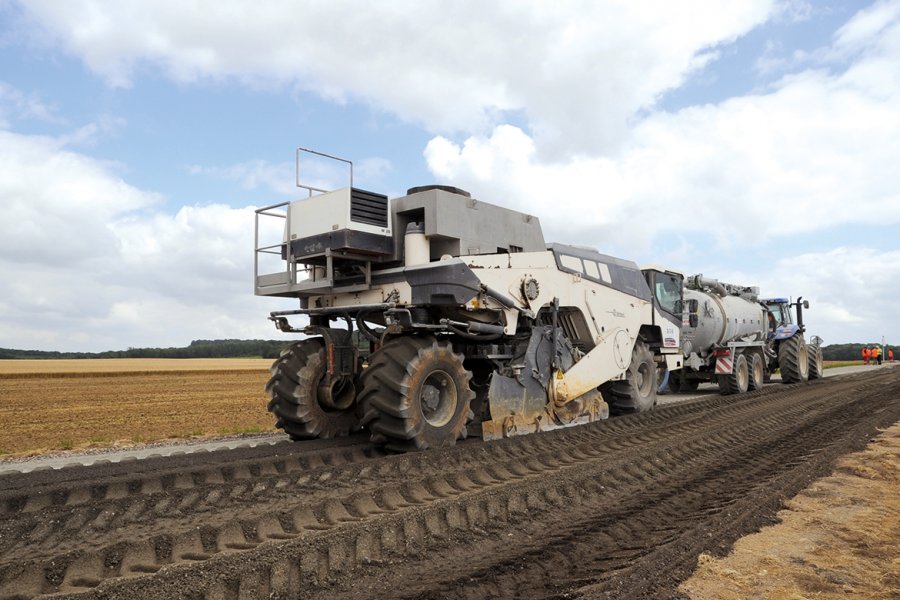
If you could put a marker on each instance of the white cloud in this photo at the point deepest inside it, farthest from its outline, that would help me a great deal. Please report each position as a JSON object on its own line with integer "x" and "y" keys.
{"x": 252, "y": 175}
{"x": 578, "y": 70}
{"x": 17, "y": 105}
{"x": 89, "y": 262}
{"x": 317, "y": 172}
{"x": 852, "y": 292}
{"x": 818, "y": 151}
{"x": 57, "y": 204}
{"x": 589, "y": 153}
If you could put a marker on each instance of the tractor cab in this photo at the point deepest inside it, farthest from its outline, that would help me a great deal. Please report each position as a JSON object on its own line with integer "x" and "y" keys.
{"x": 781, "y": 318}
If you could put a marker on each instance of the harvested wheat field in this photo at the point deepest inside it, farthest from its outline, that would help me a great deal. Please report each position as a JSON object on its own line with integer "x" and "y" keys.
{"x": 65, "y": 404}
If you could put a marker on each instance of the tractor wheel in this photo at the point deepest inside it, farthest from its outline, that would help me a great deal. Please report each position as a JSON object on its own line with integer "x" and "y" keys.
{"x": 416, "y": 394}
{"x": 738, "y": 380}
{"x": 757, "y": 372}
{"x": 816, "y": 363}
{"x": 637, "y": 392}
{"x": 793, "y": 360}
{"x": 303, "y": 404}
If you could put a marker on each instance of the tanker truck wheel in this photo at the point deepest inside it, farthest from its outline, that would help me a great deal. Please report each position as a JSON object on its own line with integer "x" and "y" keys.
{"x": 757, "y": 372}
{"x": 793, "y": 360}
{"x": 304, "y": 404}
{"x": 738, "y": 380}
{"x": 637, "y": 392}
{"x": 816, "y": 363}
{"x": 416, "y": 395}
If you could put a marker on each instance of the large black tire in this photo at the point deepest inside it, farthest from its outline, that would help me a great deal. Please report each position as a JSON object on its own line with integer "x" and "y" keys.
{"x": 416, "y": 394}
{"x": 637, "y": 392}
{"x": 793, "y": 360}
{"x": 757, "y": 372}
{"x": 816, "y": 362}
{"x": 738, "y": 380}
{"x": 294, "y": 395}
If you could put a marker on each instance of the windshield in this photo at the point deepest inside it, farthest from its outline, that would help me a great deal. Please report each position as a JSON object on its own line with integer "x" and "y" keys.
{"x": 668, "y": 293}
{"x": 780, "y": 314}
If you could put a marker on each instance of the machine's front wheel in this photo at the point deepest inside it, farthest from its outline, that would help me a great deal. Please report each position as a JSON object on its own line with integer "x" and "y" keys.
{"x": 793, "y": 360}
{"x": 637, "y": 392}
{"x": 305, "y": 405}
{"x": 416, "y": 394}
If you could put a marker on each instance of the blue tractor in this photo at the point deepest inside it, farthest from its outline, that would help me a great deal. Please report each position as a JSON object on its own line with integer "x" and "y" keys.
{"x": 787, "y": 348}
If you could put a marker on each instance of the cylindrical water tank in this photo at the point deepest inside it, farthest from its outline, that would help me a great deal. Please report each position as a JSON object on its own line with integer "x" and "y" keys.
{"x": 722, "y": 319}
{"x": 416, "y": 249}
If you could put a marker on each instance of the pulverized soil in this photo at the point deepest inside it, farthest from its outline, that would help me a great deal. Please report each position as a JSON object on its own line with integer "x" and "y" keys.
{"x": 616, "y": 509}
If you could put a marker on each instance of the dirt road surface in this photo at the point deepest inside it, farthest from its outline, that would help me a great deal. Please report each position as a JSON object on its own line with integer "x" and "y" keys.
{"x": 617, "y": 509}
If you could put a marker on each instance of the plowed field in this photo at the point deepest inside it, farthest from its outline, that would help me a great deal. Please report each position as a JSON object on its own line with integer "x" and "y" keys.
{"x": 52, "y": 405}
{"x": 616, "y": 509}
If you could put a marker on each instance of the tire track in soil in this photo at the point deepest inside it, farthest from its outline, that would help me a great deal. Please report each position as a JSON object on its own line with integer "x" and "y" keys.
{"x": 615, "y": 508}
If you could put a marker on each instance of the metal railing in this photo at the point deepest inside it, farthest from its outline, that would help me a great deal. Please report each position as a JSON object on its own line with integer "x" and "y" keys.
{"x": 310, "y": 188}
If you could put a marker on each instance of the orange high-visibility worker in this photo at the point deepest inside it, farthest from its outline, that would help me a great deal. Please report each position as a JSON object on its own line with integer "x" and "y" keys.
{"x": 890, "y": 355}
{"x": 866, "y": 354}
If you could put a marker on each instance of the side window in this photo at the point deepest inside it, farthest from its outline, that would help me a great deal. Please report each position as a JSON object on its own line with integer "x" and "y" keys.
{"x": 571, "y": 262}
{"x": 604, "y": 273}
{"x": 590, "y": 268}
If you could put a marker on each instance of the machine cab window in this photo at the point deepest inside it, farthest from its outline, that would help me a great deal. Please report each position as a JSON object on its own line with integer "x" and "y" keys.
{"x": 667, "y": 289}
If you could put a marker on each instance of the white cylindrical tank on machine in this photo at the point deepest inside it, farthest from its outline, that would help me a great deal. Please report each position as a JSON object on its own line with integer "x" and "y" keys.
{"x": 416, "y": 249}
{"x": 722, "y": 315}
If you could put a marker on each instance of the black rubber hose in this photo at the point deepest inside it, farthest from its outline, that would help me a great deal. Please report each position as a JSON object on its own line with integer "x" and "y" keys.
{"x": 473, "y": 336}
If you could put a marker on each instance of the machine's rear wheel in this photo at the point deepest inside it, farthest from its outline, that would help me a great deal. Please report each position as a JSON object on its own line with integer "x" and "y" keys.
{"x": 637, "y": 392}
{"x": 757, "y": 372}
{"x": 303, "y": 403}
{"x": 738, "y": 380}
{"x": 816, "y": 362}
{"x": 416, "y": 395}
{"x": 793, "y": 360}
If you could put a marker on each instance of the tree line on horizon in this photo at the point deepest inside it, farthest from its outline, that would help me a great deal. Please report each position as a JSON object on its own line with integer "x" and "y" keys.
{"x": 851, "y": 351}
{"x": 196, "y": 349}
{"x": 272, "y": 349}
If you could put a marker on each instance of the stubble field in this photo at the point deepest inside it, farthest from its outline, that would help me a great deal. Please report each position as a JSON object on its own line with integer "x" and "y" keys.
{"x": 67, "y": 404}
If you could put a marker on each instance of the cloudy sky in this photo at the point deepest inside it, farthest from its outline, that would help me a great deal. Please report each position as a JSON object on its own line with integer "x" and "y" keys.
{"x": 757, "y": 141}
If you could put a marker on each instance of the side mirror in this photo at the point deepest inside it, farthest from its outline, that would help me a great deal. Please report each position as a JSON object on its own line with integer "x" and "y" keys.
{"x": 693, "y": 306}
{"x": 693, "y": 320}
{"x": 806, "y": 304}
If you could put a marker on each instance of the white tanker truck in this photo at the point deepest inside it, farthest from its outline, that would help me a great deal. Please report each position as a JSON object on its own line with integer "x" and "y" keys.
{"x": 731, "y": 337}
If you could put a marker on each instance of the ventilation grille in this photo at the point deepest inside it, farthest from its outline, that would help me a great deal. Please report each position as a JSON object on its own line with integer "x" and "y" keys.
{"x": 368, "y": 207}
{"x": 572, "y": 322}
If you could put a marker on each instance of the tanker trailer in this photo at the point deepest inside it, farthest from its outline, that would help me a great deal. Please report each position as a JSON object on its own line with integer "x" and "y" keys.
{"x": 723, "y": 337}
